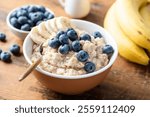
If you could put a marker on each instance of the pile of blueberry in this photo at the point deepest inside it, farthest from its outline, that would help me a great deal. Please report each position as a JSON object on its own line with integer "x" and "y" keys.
{"x": 69, "y": 40}
{"x": 29, "y": 16}
{"x": 6, "y": 56}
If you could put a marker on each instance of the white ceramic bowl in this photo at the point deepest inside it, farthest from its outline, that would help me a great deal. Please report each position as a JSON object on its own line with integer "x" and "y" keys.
{"x": 20, "y": 33}
{"x": 73, "y": 84}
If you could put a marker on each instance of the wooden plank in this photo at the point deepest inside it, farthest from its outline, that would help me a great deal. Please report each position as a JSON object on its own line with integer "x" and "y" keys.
{"x": 125, "y": 81}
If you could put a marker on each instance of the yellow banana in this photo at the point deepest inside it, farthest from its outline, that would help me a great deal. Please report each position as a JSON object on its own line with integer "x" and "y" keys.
{"x": 127, "y": 48}
{"x": 145, "y": 13}
{"x": 132, "y": 23}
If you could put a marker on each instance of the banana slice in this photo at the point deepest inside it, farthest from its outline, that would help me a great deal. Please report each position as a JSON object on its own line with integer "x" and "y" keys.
{"x": 43, "y": 31}
{"x": 35, "y": 36}
{"x": 53, "y": 25}
{"x": 63, "y": 23}
{"x": 48, "y": 26}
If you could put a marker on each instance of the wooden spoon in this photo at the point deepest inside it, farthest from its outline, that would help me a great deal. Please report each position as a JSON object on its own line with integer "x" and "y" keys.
{"x": 33, "y": 65}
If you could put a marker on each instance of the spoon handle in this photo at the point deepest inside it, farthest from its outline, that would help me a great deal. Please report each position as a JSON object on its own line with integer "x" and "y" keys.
{"x": 30, "y": 69}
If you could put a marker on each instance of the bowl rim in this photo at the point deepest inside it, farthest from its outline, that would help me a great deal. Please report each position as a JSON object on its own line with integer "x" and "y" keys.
{"x": 9, "y": 15}
{"x": 111, "y": 61}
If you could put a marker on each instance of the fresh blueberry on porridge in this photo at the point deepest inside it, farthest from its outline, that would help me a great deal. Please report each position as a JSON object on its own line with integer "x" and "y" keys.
{"x": 72, "y": 34}
{"x": 64, "y": 39}
{"x": 85, "y": 37}
{"x": 89, "y": 67}
{"x": 54, "y": 43}
{"x": 97, "y": 34}
{"x": 82, "y": 56}
{"x": 64, "y": 49}
{"x": 76, "y": 46}
{"x": 68, "y": 50}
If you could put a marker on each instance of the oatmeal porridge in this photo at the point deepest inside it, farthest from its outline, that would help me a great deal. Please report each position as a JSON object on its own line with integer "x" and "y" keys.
{"x": 70, "y": 51}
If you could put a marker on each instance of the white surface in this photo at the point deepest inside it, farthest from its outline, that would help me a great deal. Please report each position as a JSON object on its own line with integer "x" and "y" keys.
{"x": 7, "y": 108}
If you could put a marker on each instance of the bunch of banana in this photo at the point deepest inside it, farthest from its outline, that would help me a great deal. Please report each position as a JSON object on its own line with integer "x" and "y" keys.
{"x": 130, "y": 29}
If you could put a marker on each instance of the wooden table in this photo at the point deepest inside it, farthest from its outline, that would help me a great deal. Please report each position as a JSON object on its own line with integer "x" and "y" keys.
{"x": 125, "y": 81}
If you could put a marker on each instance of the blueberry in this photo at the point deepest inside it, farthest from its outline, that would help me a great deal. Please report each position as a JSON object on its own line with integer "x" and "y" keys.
{"x": 38, "y": 22}
{"x": 76, "y": 46}
{"x": 50, "y": 16}
{"x": 59, "y": 33}
{"x": 26, "y": 27}
{"x": 41, "y": 14}
{"x": 22, "y": 20}
{"x": 89, "y": 67}
{"x": 5, "y": 56}
{"x": 64, "y": 49}
{"x": 22, "y": 12}
{"x": 64, "y": 39}
{"x": 97, "y": 34}
{"x": 72, "y": 34}
{"x": 25, "y": 7}
{"x": 35, "y": 17}
{"x": 46, "y": 14}
{"x": 108, "y": 49}
{"x": 14, "y": 14}
{"x": 15, "y": 49}
{"x": 54, "y": 43}
{"x": 0, "y": 51}
{"x": 82, "y": 56}
{"x": 30, "y": 22}
{"x": 85, "y": 37}
{"x": 30, "y": 15}
{"x": 33, "y": 9}
{"x": 2, "y": 37}
{"x": 69, "y": 29}
{"x": 41, "y": 8}
{"x": 14, "y": 22}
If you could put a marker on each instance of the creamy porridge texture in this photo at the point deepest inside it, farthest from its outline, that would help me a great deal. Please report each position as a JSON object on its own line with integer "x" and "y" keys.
{"x": 70, "y": 51}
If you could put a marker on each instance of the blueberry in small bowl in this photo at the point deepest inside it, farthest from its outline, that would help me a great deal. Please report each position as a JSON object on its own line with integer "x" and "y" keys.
{"x": 21, "y": 20}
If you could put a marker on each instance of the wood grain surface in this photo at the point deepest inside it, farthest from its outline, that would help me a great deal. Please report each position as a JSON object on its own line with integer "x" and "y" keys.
{"x": 125, "y": 81}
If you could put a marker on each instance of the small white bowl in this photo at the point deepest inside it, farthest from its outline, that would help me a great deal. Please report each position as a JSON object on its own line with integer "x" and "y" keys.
{"x": 73, "y": 84}
{"x": 20, "y": 33}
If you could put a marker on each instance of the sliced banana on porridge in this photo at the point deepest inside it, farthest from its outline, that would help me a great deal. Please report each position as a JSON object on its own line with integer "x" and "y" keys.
{"x": 48, "y": 27}
{"x": 63, "y": 23}
{"x": 69, "y": 50}
{"x": 53, "y": 25}
{"x": 43, "y": 31}
{"x": 36, "y": 37}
